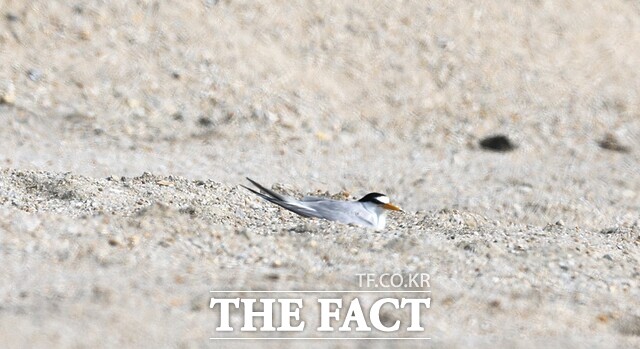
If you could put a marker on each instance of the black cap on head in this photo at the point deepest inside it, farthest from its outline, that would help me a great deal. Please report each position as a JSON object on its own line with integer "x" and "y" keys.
{"x": 375, "y": 198}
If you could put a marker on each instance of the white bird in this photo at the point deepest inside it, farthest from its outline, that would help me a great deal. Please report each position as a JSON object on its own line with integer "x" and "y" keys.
{"x": 370, "y": 211}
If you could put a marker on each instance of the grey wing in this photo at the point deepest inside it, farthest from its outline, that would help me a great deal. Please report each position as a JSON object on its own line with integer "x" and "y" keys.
{"x": 348, "y": 212}
{"x": 313, "y": 198}
{"x": 290, "y": 204}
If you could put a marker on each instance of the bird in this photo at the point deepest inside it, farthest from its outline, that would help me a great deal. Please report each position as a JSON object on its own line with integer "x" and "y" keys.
{"x": 370, "y": 211}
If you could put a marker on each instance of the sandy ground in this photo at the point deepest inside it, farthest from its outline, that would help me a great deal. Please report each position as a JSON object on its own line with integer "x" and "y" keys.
{"x": 128, "y": 125}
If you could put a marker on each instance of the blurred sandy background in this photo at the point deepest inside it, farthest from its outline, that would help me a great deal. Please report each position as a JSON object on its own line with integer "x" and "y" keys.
{"x": 530, "y": 247}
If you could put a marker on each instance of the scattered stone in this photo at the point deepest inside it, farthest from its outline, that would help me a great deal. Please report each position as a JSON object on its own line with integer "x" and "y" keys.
{"x": 84, "y": 34}
{"x": 7, "y": 93}
{"x": 77, "y": 117}
{"x": 258, "y": 113}
{"x": 165, "y": 243}
{"x": 133, "y": 241}
{"x": 610, "y": 142}
{"x": 196, "y": 304}
{"x": 133, "y": 103}
{"x": 468, "y": 246}
{"x": 272, "y": 276}
{"x": 244, "y": 232}
{"x": 497, "y": 143}
{"x": 205, "y": 121}
{"x": 34, "y": 74}
{"x": 494, "y": 303}
{"x": 612, "y": 230}
{"x": 165, "y": 183}
{"x": 189, "y": 210}
{"x": 11, "y": 17}
{"x": 102, "y": 294}
{"x": 322, "y": 136}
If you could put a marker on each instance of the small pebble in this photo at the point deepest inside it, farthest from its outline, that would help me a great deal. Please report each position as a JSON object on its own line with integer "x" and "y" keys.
{"x": 610, "y": 142}
{"x": 11, "y": 17}
{"x": 133, "y": 103}
{"x": 133, "y": 241}
{"x": 497, "y": 143}
{"x": 34, "y": 74}
{"x": 205, "y": 121}
{"x": 7, "y": 93}
{"x": 321, "y": 136}
{"x": 612, "y": 230}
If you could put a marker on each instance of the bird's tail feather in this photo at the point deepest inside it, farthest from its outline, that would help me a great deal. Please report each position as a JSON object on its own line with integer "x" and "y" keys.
{"x": 268, "y": 198}
{"x": 270, "y": 193}
{"x": 280, "y": 200}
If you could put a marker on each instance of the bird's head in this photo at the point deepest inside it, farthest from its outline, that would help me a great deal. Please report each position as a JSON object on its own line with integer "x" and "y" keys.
{"x": 380, "y": 200}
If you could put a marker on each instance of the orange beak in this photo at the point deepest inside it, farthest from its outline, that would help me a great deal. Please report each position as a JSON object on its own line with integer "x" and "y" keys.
{"x": 392, "y": 207}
